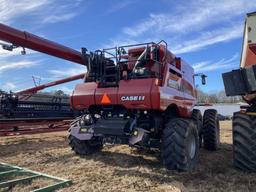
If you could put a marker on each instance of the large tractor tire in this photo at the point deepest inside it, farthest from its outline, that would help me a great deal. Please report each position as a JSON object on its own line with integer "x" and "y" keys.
{"x": 197, "y": 117}
{"x": 86, "y": 147}
{"x": 180, "y": 145}
{"x": 244, "y": 142}
{"x": 211, "y": 130}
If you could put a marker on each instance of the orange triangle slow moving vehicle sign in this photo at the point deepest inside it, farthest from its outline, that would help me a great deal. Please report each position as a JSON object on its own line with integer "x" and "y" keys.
{"x": 105, "y": 99}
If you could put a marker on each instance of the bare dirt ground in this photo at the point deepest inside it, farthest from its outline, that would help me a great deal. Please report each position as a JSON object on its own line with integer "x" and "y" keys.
{"x": 119, "y": 168}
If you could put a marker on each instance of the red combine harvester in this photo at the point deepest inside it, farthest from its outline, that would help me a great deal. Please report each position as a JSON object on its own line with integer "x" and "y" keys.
{"x": 243, "y": 82}
{"x": 141, "y": 95}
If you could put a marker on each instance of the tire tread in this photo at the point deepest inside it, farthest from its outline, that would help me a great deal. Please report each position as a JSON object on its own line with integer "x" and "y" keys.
{"x": 244, "y": 151}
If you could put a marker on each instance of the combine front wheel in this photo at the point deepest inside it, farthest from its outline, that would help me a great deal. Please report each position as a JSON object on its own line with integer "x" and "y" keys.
{"x": 180, "y": 145}
{"x": 244, "y": 142}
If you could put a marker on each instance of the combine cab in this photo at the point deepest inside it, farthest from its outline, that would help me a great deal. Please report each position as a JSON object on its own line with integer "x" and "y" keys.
{"x": 141, "y": 95}
{"x": 243, "y": 82}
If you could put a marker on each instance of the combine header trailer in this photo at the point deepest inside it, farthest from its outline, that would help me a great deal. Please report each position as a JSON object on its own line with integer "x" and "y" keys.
{"x": 141, "y": 95}
{"x": 243, "y": 82}
{"x": 26, "y": 112}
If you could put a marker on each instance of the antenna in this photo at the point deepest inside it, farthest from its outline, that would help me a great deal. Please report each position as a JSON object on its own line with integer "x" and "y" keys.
{"x": 36, "y": 80}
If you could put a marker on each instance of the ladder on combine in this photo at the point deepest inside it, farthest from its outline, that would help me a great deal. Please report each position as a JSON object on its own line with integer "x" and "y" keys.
{"x": 11, "y": 176}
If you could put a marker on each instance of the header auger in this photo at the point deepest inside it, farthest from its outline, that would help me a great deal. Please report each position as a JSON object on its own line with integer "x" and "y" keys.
{"x": 141, "y": 95}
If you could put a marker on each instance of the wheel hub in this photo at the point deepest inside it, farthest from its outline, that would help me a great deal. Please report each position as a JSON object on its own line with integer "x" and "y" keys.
{"x": 192, "y": 146}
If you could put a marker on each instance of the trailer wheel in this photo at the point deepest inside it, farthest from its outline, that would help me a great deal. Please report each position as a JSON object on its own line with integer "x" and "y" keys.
{"x": 180, "y": 145}
{"x": 86, "y": 147}
{"x": 197, "y": 117}
{"x": 211, "y": 130}
{"x": 244, "y": 142}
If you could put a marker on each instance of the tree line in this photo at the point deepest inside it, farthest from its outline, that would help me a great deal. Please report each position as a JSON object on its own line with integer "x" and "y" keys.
{"x": 202, "y": 97}
{"x": 218, "y": 97}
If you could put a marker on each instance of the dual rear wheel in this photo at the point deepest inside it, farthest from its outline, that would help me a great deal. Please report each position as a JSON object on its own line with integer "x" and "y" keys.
{"x": 181, "y": 139}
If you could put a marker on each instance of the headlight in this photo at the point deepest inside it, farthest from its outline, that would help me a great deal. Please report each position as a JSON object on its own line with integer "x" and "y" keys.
{"x": 82, "y": 122}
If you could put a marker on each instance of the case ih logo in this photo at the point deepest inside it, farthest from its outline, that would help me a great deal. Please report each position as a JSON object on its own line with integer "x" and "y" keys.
{"x": 133, "y": 98}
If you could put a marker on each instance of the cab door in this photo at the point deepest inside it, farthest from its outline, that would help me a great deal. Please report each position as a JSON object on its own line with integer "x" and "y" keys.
{"x": 171, "y": 92}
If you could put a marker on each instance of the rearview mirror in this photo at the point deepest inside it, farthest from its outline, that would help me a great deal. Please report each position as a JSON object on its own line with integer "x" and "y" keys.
{"x": 203, "y": 78}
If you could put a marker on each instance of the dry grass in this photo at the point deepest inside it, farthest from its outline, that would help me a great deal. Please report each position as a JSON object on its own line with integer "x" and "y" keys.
{"x": 120, "y": 168}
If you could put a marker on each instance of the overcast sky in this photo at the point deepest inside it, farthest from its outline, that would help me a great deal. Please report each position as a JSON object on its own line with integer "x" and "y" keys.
{"x": 207, "y": 34}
